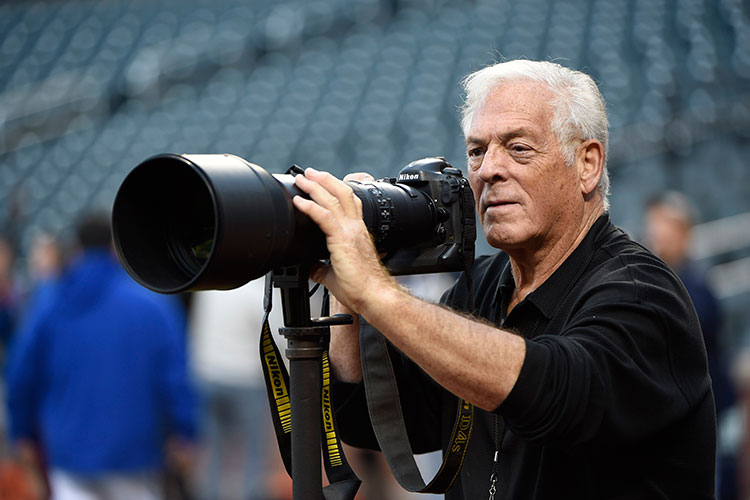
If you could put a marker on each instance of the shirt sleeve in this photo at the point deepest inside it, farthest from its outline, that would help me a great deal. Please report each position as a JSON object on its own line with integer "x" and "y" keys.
{"x": 628, "y": 363}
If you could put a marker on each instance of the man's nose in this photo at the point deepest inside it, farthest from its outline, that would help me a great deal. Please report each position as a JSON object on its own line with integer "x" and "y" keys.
{"x": 493, "y": 167}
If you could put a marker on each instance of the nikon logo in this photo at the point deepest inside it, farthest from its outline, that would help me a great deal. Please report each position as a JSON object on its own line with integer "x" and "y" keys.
{"x": 275, "y": 378}
{"x": 332, "y": 442}
{"x": 408, "y": 177}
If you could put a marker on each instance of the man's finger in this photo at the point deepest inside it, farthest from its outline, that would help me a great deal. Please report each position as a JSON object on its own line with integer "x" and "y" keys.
{"x": 320, "y": 215}
{"x": 318, "y": 193}
{"x": 343, "y": 194}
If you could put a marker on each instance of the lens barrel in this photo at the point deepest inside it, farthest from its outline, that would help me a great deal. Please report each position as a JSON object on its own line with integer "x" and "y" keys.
{"x": 200, "y": 222}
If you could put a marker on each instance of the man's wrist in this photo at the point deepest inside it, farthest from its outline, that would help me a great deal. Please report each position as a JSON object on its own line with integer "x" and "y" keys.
{"x": 382, "y": 299}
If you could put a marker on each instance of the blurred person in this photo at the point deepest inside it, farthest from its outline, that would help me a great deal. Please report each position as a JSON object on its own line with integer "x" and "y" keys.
{"x": 583, "y": 359}
{"x": 16, "y": 482}
{"x": 45, "y": 258}
{"x": 97, "y": 380}
{"x": 10, "y": 298}
{"x": 237, "y": 434}
{"x": 669, "y": 220}
{"x": 741, "y": 377}
{"x": 668, "y": 230}
{"x": 45, "y": 263}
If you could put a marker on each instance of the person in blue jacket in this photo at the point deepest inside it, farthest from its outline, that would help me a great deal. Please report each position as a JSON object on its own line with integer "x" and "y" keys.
{"x": 97, "y": 379}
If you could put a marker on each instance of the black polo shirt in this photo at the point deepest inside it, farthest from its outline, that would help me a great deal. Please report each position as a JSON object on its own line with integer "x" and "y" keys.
{"x": 613, "y": 399}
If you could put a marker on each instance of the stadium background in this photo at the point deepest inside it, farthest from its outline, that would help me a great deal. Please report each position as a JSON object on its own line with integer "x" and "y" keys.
{"x": 89, "y": 89}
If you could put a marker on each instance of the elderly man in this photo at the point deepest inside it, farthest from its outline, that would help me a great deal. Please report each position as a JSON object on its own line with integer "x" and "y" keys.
{"x": 586, "y": 361}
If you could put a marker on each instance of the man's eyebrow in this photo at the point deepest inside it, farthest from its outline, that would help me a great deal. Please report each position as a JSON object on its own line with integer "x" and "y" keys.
{"x": 474, "y": 140}
{"x": 504, "y": 136}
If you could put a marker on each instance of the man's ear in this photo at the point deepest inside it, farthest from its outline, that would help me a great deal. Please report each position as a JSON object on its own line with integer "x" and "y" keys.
{"x": 590, "y": 164}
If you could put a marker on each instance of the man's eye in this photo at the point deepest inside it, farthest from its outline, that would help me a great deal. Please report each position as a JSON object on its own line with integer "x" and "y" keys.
{"x": 474, "y": 152}
{"x": 519, "y": 148}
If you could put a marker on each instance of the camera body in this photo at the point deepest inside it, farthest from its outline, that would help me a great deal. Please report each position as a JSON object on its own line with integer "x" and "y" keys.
{"x": 453, "y": 230}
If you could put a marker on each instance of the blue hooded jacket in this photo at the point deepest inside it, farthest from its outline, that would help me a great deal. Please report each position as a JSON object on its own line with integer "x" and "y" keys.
{"x": 98, "y": 373}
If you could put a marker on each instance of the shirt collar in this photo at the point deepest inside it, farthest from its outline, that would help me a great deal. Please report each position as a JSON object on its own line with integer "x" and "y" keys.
{"x": 548, "y": 295}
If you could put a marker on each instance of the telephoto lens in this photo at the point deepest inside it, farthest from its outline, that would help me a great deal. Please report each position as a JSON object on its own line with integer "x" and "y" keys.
{"x": 216, "y": 221}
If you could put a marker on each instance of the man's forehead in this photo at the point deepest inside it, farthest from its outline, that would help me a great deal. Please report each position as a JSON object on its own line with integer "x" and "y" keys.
{"x": 521, "y": 104}
{"x": 519, "y": 95}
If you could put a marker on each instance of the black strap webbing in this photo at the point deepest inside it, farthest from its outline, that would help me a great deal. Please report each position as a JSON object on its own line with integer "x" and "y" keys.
{"x": 387, "y": 419}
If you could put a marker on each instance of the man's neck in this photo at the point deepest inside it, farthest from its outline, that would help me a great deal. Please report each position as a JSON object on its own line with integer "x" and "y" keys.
{"x": 532, "y": 266}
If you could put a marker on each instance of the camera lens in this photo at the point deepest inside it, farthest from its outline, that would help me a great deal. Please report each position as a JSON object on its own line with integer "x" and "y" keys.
{"x": 190, "y": 247}
{"x": 200, "y": 222}
{"x": 190, "y": 222}
{"x": 161, "y": 210}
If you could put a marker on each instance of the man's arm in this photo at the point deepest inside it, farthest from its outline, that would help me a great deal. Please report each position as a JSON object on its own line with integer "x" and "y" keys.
{"x": 473, "y": 360}
{"x": 344, "y": 353}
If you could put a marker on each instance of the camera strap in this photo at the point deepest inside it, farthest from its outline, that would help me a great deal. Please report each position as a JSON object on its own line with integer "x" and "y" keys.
{"x": 468, "y": 239}
{"x": 384, "y": 404}
{"x": 344, "y": 483}
{"x": 387, "y": 419}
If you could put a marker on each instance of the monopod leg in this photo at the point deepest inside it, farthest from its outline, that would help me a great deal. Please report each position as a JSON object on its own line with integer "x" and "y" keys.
{"x": 304, "y": 371}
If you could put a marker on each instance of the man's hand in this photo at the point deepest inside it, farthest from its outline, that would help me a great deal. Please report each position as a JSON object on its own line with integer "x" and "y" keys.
{"x": 344, "y": 348}
{"x": 474, "y": 360}
{"x": 355, "y": 272}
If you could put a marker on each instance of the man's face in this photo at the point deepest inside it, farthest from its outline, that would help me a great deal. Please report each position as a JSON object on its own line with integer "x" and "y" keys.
{"x": 526, "y": 195}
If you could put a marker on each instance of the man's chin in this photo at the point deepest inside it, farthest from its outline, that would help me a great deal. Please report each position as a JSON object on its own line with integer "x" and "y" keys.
{"x": 504, "y": 239}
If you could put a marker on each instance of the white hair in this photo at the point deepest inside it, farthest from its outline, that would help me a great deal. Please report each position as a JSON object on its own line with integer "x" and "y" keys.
{"x": 579, "y": 109}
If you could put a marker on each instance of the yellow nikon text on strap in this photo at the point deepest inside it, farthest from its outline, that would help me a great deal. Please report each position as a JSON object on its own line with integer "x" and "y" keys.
{"x": 280, "y": 390}
{"x": 331, "y": 441}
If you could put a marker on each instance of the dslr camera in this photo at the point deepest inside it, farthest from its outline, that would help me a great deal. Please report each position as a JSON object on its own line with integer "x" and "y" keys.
{"x": 216, "y": 221}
